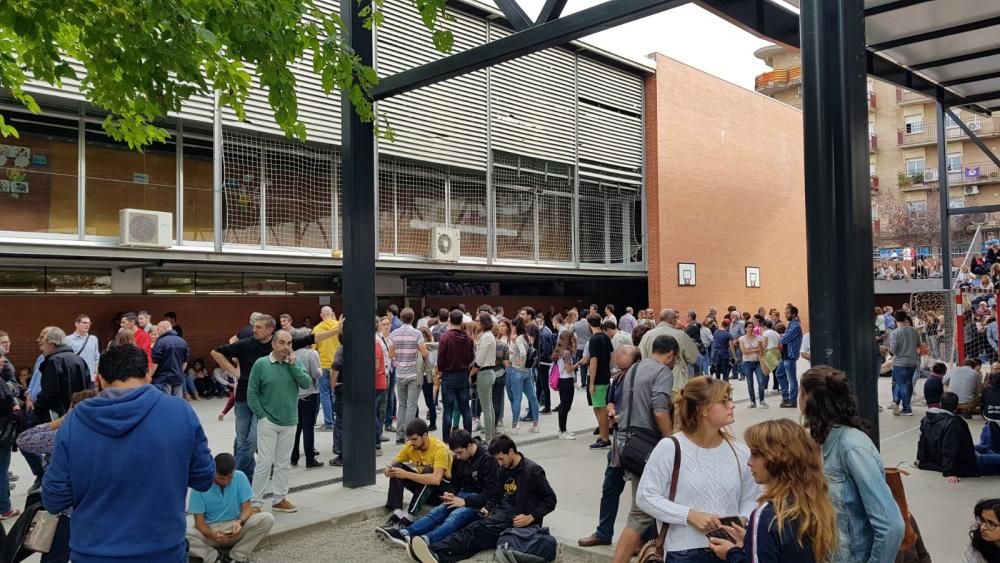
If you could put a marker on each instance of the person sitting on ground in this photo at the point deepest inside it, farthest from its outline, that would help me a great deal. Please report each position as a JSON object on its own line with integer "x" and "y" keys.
{"x": 967, "y": 383}
{"x": 125, "y": 477}
{"x": 474, "y": 478}
{"x": 423, "y": 465}
{"x": 984, "y": 544}
{"x": 224, "y": 516}
{"x": 523, "y": 497}
{"x": 945, "y": 443}
{"x": 934, "y": 386}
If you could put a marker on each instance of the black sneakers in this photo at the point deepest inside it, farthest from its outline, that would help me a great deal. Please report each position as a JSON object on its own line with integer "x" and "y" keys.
{"x": 392, "y": 534}
{"x": 420, "y": 550}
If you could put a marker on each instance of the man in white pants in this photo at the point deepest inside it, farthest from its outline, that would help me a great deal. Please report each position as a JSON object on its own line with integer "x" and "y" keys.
{"x": 405, "y": 343}
{"x": 273, "y": 397}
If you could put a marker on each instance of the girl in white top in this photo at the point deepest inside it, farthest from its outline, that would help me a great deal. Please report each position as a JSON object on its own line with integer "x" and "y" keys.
{"x": 714, "y": 480}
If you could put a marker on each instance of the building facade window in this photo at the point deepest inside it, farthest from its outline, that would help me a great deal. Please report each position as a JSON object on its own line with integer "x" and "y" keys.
{"x": 954, "y": 162}
{"x": 916, "y": 206}
{"x": 914, "y": 124}
{"x": 198, "y": 204}
{"x": 172, "y": 282}
{"x": 914, "y": 167}
{"x": 55, "y": 280}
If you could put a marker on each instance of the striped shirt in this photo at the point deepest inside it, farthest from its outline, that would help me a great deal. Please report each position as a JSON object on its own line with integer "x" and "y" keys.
{"x": 405, "y": 339}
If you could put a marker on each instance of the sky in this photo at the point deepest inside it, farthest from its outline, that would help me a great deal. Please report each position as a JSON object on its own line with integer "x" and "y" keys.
{"x": 688, "y": 33}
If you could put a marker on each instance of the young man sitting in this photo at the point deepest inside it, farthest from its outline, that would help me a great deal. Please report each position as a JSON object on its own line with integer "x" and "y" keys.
{"x": 934, "y": 386}
{"x": 223, "y": 516}
{"x": 967, "y": 383}
{"x": 522, "y": 498}
{"x": 423, "y": 465}
{"x": 474, "y": 478}
{"x": 945, "y": 442}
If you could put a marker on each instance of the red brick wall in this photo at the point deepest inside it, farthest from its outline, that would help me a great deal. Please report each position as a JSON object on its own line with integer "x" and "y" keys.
{"x": 726, "y": 191}
{"x": 207, "y": 320}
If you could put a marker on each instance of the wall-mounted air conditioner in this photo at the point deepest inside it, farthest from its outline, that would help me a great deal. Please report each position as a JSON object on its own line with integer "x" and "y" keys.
{"x": 971, "y": 190}
{"x": 445, "y": 244}
{"x": 148, "y": 229}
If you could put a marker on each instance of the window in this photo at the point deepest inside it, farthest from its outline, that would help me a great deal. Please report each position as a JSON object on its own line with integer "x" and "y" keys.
{"x": 236, "y": 283}
{"x": 874, "y": 212}
{"x": 950, "y": 123}
{"x": 956, "y": 202}
{"x": 77, "y": 281}
{"x": 22, "y": 281}
{"x": 916, "y": 206}
{"x": 198, "y": 204}
{"x": 914, "y": 124}
{"x": 914, "y": 167}
{"x": 955, "y": 162}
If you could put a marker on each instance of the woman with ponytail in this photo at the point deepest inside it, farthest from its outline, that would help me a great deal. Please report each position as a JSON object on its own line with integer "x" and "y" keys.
{"x": 869, "y": 521}
{"x": 795, "y": 520}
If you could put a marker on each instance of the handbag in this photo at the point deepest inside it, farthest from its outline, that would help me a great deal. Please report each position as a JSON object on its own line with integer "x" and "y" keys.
{"x": 652, "y": 551}
{"x": 8, "y": 432}
{"x": 41, "y": 531}
{"x": 894, "y": 478}
{"x": 554, "y": 377}
{"x": 638, "y": 442}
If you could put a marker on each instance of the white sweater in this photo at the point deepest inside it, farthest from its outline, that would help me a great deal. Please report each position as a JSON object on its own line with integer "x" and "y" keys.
{"x": 711, "y": 480}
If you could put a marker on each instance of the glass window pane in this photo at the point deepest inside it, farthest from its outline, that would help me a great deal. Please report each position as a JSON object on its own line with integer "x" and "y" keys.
{"x": 300, "y": 181}
{"x": 22, "y": 281}
{"x": 159, "y": 281}
{"x": 419, "y": 205}
{"x": 218, "y": 282}
{"x": 78, "y": 281}
{"x": 241, "y": 180}
{"x": 198, "y": 210}
{"x": 38, "y": 175}
{"x": 119, "y": 178}
{"x": 313, "y": 284}
{"x": 264, "y": 284}
{"x": 469, "y": 211}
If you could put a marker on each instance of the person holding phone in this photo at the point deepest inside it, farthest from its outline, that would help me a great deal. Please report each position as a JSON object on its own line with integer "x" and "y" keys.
{"x": 795, "y": 520}
{"x": 224, "y": 517}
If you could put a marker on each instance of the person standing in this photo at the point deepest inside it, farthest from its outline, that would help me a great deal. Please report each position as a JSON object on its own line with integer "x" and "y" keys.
{"x": 609, "y": 314}
{"x": 722, "y": 346}
{"x": 791, "y": 343}
{"x": 308, "y": 406}
{"x": 85, "y": 344}
{"x": 8, "y": 415}
{"x": 405, "y": 344}
{"x": 871, "y": 526}
{"x": 272, "y": 396}
{"x": 130, "y": 321}
{"x": 523, "y": 356}
{"x": 62, "y": 374}
{"x": 171, "y": 317}
{"x": 456, "y": 355}
{"x": 903, "y": 343}
{"x": 327, "y": 350}
{"x": 563, "y": 358}
{"x": 582, "y": 331}
{"x": 170, "y": 356}
{"x": 143, "y": 318}
{"x": 485, "y": 373}
{"x": 688, "y": 351}
{"x": 752, "y": 347}
{"x": 599, "y": 378}
{"x": 627, "y": 323}
{"x": 123, "y": 462}
{"x": 545, "y": 343}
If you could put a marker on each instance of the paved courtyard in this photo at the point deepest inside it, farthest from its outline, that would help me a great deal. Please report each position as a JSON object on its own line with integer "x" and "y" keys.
{"x": 943, "y": 510}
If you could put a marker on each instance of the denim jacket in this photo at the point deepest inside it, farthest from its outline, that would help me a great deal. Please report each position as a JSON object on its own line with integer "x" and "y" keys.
{"x": 868, "y": 520}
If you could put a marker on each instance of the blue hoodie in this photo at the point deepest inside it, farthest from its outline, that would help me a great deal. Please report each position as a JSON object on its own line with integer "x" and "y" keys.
{"x": 123, "y": 462}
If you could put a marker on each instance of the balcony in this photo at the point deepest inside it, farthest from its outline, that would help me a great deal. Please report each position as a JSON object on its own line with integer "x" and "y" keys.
{"x": 926, "y": 133}
{"x": 872, "y": 98}
{"x": 779, "y": 79}
{"x": 906, "y": 97}
{"x": 872, "y": 143}
{"x": 973, "y": 173}
{"x": 873, "y": 183}
{"x": 909, "y": 182}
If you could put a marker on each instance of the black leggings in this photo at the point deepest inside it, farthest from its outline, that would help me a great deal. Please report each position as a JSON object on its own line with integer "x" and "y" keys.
{"x": 566, "y": 394}
{"x": 498, "y": 392}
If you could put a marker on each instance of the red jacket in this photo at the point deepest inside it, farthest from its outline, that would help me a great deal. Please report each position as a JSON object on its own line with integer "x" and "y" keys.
{"x": 381, "y": 381}
{"x": 143, "y": 342}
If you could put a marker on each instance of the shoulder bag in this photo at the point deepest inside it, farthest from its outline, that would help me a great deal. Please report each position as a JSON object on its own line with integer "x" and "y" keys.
{"x": 652, "y": 551}
{"x": 638, "y": 442}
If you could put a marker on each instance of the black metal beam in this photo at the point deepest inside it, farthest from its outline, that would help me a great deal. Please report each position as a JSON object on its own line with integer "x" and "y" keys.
{"x": 956, "y": 59}
{"x": 935, "y": 34}
{"x": 969, "y": 79}
{"x": 838, "y": 198}
{"x": 972, "y": 210}
{"x": 549, "y": 34}
{"x": 942, "y": 150}
{"x": 892, "y": 6}
{"x": 973, "y": 137}
{"x": 977, "y": 98}
{"x": 514, "y": 14}
{"x": 551, "y": 10}
{"x": 358, "y": 158}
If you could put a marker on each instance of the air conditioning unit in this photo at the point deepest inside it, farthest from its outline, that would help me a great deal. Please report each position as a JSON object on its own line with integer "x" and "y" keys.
{"x": 971, "y": 190}
{"x": 975, "y": 125}
{"x": 147, "y": 229}
{"x": 445, "y": 244}
{"x": 930, "y": 175}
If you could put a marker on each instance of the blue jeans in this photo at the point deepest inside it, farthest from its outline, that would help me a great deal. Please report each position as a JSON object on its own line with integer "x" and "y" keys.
{"x": 189, "y": 387}
{"x": 701, "y": 365}
{"x": 521, "y": 383}
{"x": 455, "y": 389}
{"x": 390, "y": 400}
{"x": 172, "y": 390}
{"x": 902, "y": 390}
{"x": 611, "y": 492}
{"x": 749, "y": 368}
{"x": 789, "y": 381}
{"x": 432, "y": 413}
{"x": 380, "y": 415}
{"x": 326, "y": 398}
{"x": 691, "y": 556}
{"x": 246, "y": 438}
{"x": 442, "y": 522}
{"x": 987, "y": 460}
{"x": 5, "y": 480}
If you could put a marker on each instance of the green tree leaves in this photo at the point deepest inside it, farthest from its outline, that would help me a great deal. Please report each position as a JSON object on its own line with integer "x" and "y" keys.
{"x": 144, "y": 58}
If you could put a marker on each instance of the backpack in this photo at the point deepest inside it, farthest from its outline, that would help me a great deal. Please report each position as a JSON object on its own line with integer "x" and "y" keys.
{"x": 533, "y": 544}
{"x": 554, "y": 377}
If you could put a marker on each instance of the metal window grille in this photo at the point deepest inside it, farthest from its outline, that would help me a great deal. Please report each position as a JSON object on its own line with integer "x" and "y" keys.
{"x": 534, "y": 208}
{"x": 468, "y": 212}
{"x": 610, "y": 225}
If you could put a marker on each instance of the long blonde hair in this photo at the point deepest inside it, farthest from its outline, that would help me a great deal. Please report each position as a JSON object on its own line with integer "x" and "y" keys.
{"x": 699, "y": 394}
{"x": 797, "y": 488}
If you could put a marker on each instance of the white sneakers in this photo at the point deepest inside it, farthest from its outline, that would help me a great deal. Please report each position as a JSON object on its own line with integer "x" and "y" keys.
{"x": 567, "y": 436}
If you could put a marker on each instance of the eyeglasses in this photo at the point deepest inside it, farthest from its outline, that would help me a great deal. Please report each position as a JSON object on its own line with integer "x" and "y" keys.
{"x": 986, "y": 524}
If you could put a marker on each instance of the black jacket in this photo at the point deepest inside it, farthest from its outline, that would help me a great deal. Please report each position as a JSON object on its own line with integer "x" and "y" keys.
{"x": 63, "y": 373}
{"x": 477, "y": 478}
{"x": 946, "y": 445}
{"x": 523, "y": 490}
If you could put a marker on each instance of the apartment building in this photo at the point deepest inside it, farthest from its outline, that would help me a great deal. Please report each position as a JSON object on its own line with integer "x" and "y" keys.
{"x": 903, "y": 150}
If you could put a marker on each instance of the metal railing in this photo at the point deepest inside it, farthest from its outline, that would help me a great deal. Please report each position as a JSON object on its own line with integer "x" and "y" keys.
{"x": 872, "y": 142}
{"x": 926, "y": 133}
{"x": 906, "y": 96}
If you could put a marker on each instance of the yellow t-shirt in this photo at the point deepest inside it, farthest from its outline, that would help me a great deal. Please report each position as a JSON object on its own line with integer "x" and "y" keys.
{"x": 328, "y": 348}
{"x": 436, "y": 455}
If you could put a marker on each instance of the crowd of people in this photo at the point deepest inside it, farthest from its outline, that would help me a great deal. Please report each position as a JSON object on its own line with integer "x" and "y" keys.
{"x": 659, "y": 387}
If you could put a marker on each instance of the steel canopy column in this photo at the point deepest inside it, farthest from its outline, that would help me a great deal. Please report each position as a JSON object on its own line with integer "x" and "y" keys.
{"x": 945, "y": 208}
{"x": 838, "y": 198}
{"x": 358, "y": 140}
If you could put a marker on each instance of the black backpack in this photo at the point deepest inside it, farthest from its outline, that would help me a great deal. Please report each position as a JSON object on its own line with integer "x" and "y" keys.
{"x": 532, "y": 544}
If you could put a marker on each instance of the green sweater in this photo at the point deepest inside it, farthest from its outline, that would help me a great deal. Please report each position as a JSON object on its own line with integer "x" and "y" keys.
{"x": 273, "y": 390}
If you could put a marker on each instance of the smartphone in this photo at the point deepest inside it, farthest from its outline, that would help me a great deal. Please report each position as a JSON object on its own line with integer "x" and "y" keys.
{"x": 721, "y": 533}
